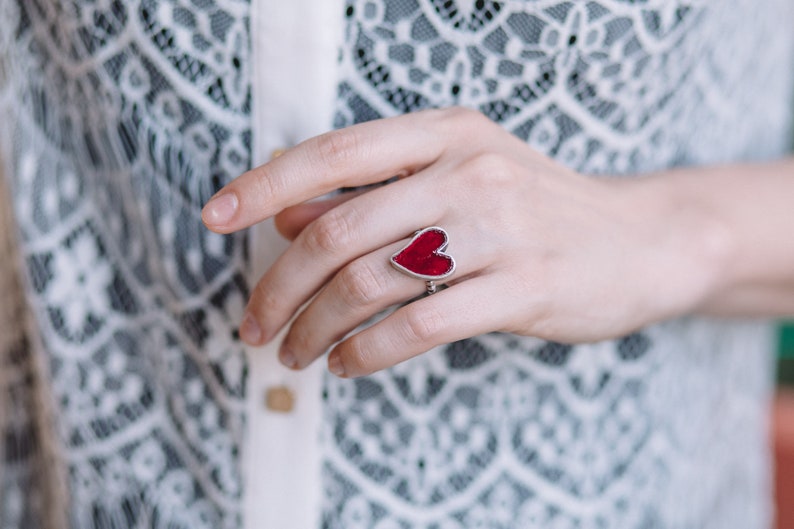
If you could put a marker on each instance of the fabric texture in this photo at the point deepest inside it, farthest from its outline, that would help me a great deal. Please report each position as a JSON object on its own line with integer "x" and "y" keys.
{"x": 122, "y": 406}
{"x": 663, "y": 428}
{"x": 126, "y": 117}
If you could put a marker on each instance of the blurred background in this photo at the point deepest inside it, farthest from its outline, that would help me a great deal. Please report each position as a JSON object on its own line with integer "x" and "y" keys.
{"x": 783, "y": 425}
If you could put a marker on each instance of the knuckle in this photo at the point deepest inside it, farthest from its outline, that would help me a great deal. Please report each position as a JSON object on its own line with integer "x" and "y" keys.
{"x": 266, "y": 184}
{"x": 299, "y": 338}
{"x": 488, "y": 163}
{"x": 532, "y": 290}
{"x": 330, "y": 233}
{"x": 360, "y": 284}
{"x": 338, "y": 147}
{"x": 462, "y": 119}
{"x": 423, "y": 326}
{"x": 490, "y": 169}
{"x": 461, "y": 114}
{"x": 266, "y": 300}
{"x": 357, "y": 356}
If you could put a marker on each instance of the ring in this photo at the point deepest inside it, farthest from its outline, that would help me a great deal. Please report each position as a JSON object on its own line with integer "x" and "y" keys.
{"x": 424, "y": 258}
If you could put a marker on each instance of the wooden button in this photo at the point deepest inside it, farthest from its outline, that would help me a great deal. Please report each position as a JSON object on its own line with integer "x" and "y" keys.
{"x": 280, "y": 399}
{"x": 276, "y": 153}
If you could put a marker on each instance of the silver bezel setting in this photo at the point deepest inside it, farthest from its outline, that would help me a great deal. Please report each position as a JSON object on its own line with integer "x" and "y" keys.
{"x": 440, "y": 251}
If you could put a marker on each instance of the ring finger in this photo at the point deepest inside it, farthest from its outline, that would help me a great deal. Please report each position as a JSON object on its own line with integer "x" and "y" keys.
{"x": 363, "y": 288}
{"x": 346, "y": 232}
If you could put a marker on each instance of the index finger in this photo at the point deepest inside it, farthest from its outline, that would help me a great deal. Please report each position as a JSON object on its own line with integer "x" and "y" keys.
{"x": 362, "y": 154}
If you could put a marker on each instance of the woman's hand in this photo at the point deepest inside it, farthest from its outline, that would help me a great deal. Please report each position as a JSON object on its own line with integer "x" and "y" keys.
{"x": 540, "y": 250}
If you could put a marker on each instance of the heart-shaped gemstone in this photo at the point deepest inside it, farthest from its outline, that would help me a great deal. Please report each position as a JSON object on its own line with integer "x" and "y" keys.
{"x": 424, "y": 256}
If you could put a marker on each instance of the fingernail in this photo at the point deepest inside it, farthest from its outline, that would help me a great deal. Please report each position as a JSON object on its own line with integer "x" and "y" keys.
{"x": 220, "y": 209}
{"x": 335, "y": 364}
{"x": 286, "y": 357}
{"x": 250, "y": 331}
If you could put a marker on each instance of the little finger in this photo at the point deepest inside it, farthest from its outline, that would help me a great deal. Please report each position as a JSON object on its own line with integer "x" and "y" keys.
{"x": 461, "y": 311}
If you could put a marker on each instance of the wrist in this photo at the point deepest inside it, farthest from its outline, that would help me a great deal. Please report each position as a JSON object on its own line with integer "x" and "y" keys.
{"x": 691, "y": 245}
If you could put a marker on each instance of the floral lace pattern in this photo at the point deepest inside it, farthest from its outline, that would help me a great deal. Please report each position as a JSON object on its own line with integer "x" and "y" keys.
{"x": 501, "y": 431}
{"x": 127, "y": 117}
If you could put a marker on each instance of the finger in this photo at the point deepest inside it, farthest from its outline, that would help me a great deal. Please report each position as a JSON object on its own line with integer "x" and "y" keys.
{"x": 461, "y": 311}
{"x": 362, "y": 154}
{"x": 291, "y": 221}
{"x": 359, "y": 291}
{"x": 347, "y": 232}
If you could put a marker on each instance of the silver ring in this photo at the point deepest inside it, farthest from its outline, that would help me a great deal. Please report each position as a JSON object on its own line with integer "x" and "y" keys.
{"x": 424, "y": 258}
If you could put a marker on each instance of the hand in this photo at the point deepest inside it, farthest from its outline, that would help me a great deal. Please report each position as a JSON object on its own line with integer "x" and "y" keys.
{"x": 540, "y": 249}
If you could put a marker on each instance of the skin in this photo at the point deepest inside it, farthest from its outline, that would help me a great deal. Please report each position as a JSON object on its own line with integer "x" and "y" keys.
{"x": 541, "y": 250}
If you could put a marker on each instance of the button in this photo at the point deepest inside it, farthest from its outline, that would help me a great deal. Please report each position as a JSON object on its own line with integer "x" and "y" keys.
{"x": 276, "y": 153}
{"x": 280, "y": 399}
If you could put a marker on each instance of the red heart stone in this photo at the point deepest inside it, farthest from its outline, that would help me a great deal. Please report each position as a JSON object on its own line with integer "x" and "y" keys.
{"x": 423, "y": 257}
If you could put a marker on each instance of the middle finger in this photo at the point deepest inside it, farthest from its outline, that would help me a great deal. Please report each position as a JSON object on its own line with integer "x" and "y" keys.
{"x": 350, "y": 230}
{"x": 357, "y": 292}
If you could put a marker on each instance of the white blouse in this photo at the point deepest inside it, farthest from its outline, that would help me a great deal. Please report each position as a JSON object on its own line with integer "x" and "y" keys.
{"x": 294, "y": 57}
{"x": 128, "y": 403}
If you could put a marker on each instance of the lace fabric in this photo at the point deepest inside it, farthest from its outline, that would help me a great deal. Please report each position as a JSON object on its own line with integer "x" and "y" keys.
{"x": 663, "y": 428}
{"x": 123, "y": 407}
{"x": 126, "y": 117}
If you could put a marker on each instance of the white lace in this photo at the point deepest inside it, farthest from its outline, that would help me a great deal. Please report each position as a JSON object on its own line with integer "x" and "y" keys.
{"x": 124, "y": 118}
{"x": 663, "y": 428}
